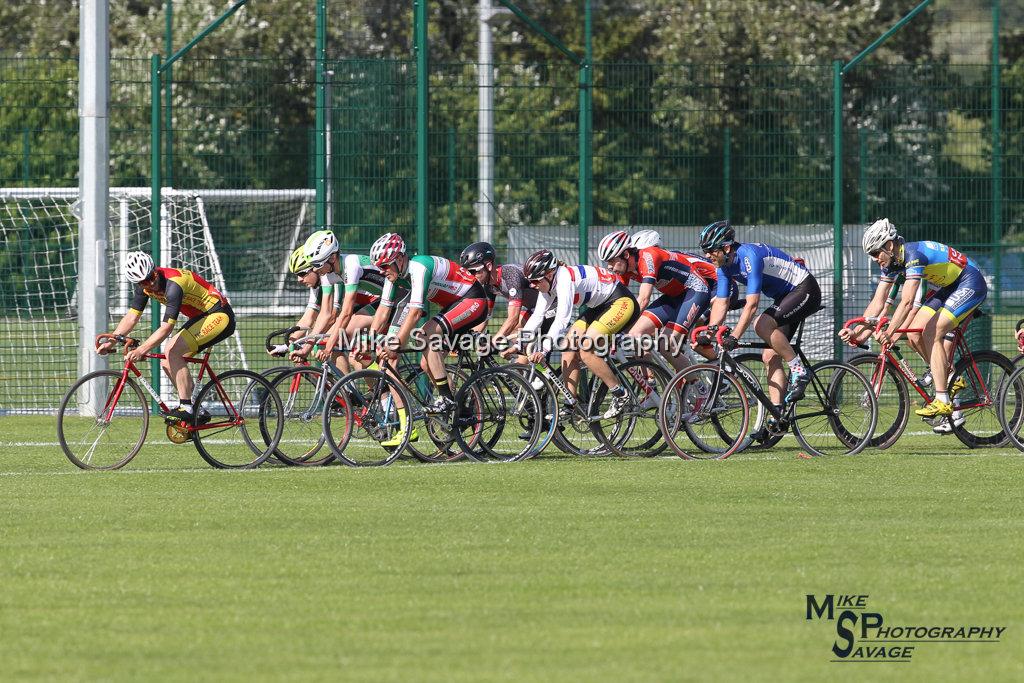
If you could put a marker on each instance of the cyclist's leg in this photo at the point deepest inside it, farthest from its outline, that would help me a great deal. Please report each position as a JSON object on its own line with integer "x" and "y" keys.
{"x": 693, "y": 305}
{"x": 608, "y": 320}
{"x": 199, "y": 334}
{"x": 361, "y": 320}
{"x": 443, "y": 330}
{"x": 777, "y": 325}
{"x": 968, "y": 292}
{"x": 571, "y": 355}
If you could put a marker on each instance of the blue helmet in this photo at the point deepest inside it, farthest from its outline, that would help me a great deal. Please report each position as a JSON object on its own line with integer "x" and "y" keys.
{"x": 717, "y": 235}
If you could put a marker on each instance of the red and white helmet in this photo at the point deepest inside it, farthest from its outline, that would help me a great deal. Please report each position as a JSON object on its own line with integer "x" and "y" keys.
{"x": 387, "y": 249}
{"x": 613, "y": 245}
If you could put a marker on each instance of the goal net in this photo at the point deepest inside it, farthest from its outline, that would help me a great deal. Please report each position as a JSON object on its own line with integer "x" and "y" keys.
{"x": 239, "y": 240}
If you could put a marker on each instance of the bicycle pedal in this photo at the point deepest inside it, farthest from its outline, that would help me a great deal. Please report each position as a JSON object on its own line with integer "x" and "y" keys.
{"x": 177, "y": 433}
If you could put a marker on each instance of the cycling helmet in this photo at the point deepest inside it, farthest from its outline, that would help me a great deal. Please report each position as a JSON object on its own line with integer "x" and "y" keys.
{"x": 299, "y": 261}
{"x": 717, "y": 235}
{"x": 539, "y": 264}
{"x": 612, "y": 245}
{"x": 477, "y": 254}
{"x": 877, "y": 234}
{"x": 138, "y": 266}
{"x": 320, "y": 245}
{"x": 645, "y": 238}
{"x": 387, "y": 249}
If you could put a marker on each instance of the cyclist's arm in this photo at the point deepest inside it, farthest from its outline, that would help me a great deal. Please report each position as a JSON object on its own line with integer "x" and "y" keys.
{"x": 644, "y": 296}
{"x": 719, "y": 309}
{"x": 511, "y": 322}
{"x": 905, "y": 307}
{"x": 419, "y": 281}
{"x": 747, "y": 314}
{"x": 876, "y": 307}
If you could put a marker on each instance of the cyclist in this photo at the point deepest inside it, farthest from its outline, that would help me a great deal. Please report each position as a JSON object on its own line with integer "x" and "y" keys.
{"x": 611, "y": 308}
{"x": 301, "y": 266}
{"x": 795, "y": 293}
{"x": 363, "y": 283}
{"x": 506, "y": 279}
{"x": 684, "y": 282}
{"x": 433, "y": 279}
{"x": 961, "y": 289}
{"x": 210, "y": 320}
{"x": 318, "y": 248}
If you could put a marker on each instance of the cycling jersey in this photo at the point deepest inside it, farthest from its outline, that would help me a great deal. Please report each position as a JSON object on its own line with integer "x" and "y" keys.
{"x": 512, "y": 284}
{"x": 363, "y": 280}
{"x": 572, "y": 286}
{"x": 179, "y": 291}
{"x": 437, "y": 280}
{"x": 673, "y": 273}
{"x": 762, "y": 268}
{"x": 931, "y": 261}
{"x": 328, "y": 287}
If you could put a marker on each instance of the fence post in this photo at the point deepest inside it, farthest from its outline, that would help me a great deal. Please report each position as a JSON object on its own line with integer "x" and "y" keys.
{"x": 321, "y": 117}
{"x": 997, "y": 160}
{"x": 422, "y": 102}
{"x": 168, "y": 79}
{"x": 26, "y": 156}
{"x": 727, "y": 174}
{"x": 586, "y": 102}
{"x": 154, "y": 201}
{"x": 862, "y": 138}
{"x": 451, "y": 190}
{"x": 837, "y": 202}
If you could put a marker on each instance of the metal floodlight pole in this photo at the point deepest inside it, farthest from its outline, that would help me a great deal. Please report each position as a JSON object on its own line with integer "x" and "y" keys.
{"x": 422, "y": 103}
{"x": 997, "y": 161}
{"x": 485, "y": 125}
{"x": 321, "y": 114}
{"x": 93, "y": 186}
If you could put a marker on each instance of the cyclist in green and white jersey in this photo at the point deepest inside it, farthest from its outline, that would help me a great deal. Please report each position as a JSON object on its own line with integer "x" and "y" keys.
{"x": 321, "y": 294}
{"x": 330, "y": 288}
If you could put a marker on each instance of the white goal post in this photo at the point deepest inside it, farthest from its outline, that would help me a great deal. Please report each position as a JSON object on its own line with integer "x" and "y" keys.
{"x": 239, "y": 240}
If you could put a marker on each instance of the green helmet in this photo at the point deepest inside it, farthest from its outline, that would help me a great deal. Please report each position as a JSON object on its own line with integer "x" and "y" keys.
{"x": 299, "y": 262}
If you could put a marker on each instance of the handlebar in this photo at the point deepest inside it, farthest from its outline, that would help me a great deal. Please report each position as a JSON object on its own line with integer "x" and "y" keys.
{"x": 129, "y": 342}
{"x": 283, "y": 332}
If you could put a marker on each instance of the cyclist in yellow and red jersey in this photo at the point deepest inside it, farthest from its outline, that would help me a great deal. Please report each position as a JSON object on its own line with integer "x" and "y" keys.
{"x": 465, "y": 305}
{"x": 182, "y": 292}
{"x": 685, "y": 284}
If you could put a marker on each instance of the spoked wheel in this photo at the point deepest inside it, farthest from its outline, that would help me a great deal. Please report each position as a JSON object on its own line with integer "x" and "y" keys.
{"x": 498, "y": 416}
{"x": 892, "y": 394}
{"x": 978, "y": 400}
{"x": 232, "y": 416}
{"x": 363, "y": 424}
{"x": 575, "y": 433}
{"x": 302, "y": 391}
{"x": 1011, "y": 408}
{"x": 636, "y": 432}
{"x": 549, "y": 408}
{"x": 838, "y": 412}
{"x": 756, "y": 374}
{"x": 99, "y": 427}
{"x": 703, "y": 403}
{"x": 435, "y": 443}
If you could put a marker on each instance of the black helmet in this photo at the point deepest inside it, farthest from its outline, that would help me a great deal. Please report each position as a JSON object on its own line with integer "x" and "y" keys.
{"x": 477, "y": 254}
{"x": 717, "y": 235}
{"x": 539, "y": 264}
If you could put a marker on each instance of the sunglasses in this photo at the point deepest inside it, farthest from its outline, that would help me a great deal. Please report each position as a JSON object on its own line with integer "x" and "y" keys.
{"x": 478, "y": 269}
{"x": 875, "y": 253}
{"x": 303, "y": 273}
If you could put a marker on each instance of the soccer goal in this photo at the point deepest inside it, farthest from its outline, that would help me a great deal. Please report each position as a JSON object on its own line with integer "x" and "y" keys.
{"x": 237, "y": 239}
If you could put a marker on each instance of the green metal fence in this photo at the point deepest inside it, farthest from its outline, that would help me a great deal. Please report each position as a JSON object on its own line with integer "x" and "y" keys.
{"x": 935, "y": 147}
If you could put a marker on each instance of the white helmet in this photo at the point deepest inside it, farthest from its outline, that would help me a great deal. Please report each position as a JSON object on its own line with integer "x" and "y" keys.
{"x": 877, "y": 234}
{"x": 138, "y": 266}
{"x": 387, "y": 249}
{"x": 612, "y": 245}
{"x": 320, "y": 245}
{"x": 645, "y": 238}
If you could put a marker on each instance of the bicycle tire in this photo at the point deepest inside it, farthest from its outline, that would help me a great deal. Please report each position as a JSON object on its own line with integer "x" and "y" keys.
{"x": 256, "y": 399}
{"x": 892, "y": 395}
{"x": 485, "y": 397}
{"x": 686, "y": 403}
{"x": 1013, "y": 427}
{"x": 549, "y": 405}
{"x": 67, "y": 432}
{"x": 758, "y": 413}
{"x": 302, "y": 443}
{"x": 420, "y": 389}
{"x": 646, "y": 383}
{"x": 829, "y": 390}
{"x": 362, "y": 413}
{"x": 978, "y": 430}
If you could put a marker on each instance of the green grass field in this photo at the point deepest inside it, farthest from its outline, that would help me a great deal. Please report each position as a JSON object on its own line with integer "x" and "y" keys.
{"x": 552, "y": 569}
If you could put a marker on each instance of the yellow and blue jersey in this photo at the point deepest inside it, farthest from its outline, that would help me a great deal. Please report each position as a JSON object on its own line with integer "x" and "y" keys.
{"x": 935, "y": 262}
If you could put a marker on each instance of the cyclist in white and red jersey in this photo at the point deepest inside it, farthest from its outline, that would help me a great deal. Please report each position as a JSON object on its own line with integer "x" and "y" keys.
{"x": 611, "y": 308}
{"x": 430, "y": 278}
{"x": 685, "y": 284}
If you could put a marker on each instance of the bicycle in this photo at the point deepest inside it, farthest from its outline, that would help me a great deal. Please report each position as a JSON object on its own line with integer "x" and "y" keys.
{"x": 103, "y": 419}
{"x": 971, "y": 374}
{"x": 714, "y": 397}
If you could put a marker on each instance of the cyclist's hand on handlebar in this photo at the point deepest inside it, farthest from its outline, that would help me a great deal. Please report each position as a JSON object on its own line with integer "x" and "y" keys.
{"x": 536, "y": 356}
{"x": 133, "y": 355}
{"x": 279, "y": 350}
{"x": 1020, "y": 341}
{"x": 729, "y": 342}
{"x": 845, "y": 334}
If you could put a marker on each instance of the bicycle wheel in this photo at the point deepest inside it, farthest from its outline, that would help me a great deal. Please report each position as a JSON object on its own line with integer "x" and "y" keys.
{"x": 302, "y": 391}
{"x": 838, "y": 412}
{"x": 100, "y": 428}
{"x": 892, "y": 395}
{"x": 754, "y": 366}
{"x": 574, "y": 433}
{"x": 978, "y": 401}
{"x": 242, "y": 407}
{"x": 636, "y": 431}
{"x": 440, "y": 445}
{"x": 549, "y": 408}
{"x": 498, "y": 416}
{"x": 362, "y": 415}
{"x": 1011, "y": 407}
{"x": 701, "y": 403}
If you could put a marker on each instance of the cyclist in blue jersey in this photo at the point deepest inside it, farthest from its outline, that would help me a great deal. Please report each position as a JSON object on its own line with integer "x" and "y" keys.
{"x": 769, "y": 270}
{"x": 961, "y": 288}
